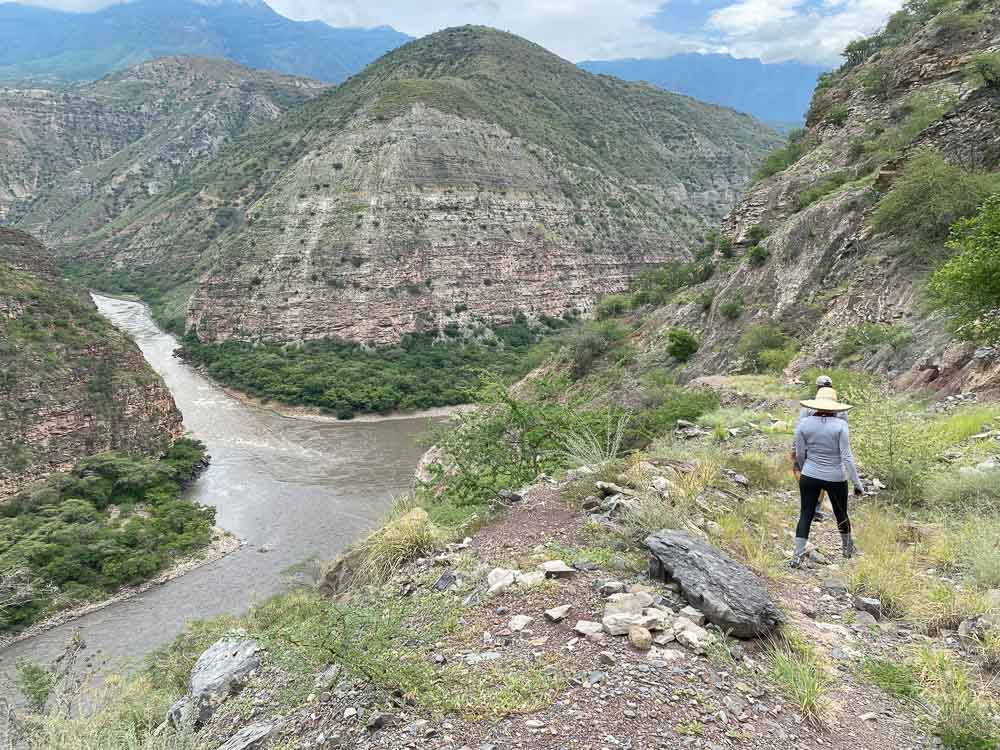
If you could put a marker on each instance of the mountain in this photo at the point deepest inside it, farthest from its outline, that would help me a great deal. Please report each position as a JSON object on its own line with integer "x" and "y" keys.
{"x": 70, "y": 383}
{"x": 42, "y": 45}
{"x": 469, "y": 173}
{"x": 777, "y": 93}
{"x": 826, "y": 260}
{"x": 73, "y": 159}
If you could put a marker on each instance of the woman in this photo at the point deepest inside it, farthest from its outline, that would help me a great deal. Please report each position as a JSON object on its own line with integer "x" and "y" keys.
{"x": 822, "y": 449}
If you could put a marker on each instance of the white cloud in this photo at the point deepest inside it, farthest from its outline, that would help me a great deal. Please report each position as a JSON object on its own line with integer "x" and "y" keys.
{"x": 795, "y": 29}
{"x": 806, "y": 30}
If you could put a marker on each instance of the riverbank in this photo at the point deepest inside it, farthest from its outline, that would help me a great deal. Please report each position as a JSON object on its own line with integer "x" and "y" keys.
{"x": 223, "y": 543}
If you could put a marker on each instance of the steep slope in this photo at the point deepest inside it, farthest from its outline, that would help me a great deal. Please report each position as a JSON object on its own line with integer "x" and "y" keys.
{"x": 70, "y": 383}
{"x": 823, "y": 266}
{"x": 72, "y": 160}
{"x": 469, "y": 172}
{"x": 51, "y": 46}
{"x": 776, "y": 93}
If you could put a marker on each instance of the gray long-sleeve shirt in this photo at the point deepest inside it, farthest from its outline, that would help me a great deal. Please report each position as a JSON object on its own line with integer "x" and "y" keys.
{"x": 823, "y": 449}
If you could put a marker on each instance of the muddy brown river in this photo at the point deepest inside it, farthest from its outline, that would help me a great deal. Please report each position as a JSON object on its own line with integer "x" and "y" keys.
{"x": 296, "y": 488}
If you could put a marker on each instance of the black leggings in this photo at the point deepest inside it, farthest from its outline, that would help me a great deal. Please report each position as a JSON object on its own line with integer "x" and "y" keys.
{"x": 809, "y": 489}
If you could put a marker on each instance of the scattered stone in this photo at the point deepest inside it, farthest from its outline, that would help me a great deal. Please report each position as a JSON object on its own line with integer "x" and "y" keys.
{"x": 611, "y": 587}
{"x": 864, "y": 619}
{"x": 726, "y": 592}
{"x": 379, "y": 721}
{"x": 625, "y": 610}
{"x": 594, "y": 678}
{"x": 591, "y": 502}
{"x": 690, "y": 635}
{"x": 250, "y": 737}
{"x": 558, "y": 614}
{"x": 587, "y": 627}
{"x": 327, "y": 678}
{"x": 609, "y": 489}
{"x": 499, "y": 580}
{"x": 585, "y": 565}
{"x": 534, "y": 724}
{"x": 446, "y": 581}
{"x": 870, "y": 605}
{"x": 421, "y": 728}
{"x": 519, "y": 622}
{"x": 350, "y": 713}
{"x": 556, "y": 569}
{"x": 818, "y": 557}
{"x": 528, "y": 580}
{"x": 509, "y": 498}
{"x": 835, "y": 585}
{"x": 640, "y": 638}
{"x": 216, "y": 675}
{"x": 694, "y": 615}
{"x": 662, "y": 639}
{"x": 869, "y": 717}
{"x": 607, "y": 658}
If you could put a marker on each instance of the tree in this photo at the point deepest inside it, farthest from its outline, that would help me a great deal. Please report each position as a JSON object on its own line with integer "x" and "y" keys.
{"x": 967, "y": 287}
{"x": 681, "y": 344}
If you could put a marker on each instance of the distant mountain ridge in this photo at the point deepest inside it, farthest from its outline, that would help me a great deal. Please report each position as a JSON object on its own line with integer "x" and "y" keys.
{"x": 777, "y": 93}
{"x": 51, "y": 46}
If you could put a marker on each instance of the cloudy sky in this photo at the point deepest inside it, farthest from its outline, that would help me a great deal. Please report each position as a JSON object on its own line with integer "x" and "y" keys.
{"x": 807, "y": 30}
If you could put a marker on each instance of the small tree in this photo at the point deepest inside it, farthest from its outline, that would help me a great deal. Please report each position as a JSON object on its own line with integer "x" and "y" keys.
{"x": 984, "y": 69}
{"x": 681, "y": 344}
{"x": 967, "y": 287}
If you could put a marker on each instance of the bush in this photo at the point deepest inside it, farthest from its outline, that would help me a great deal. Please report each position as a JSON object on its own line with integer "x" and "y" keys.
{"x": 732, "y": 309}
{"x": 780, "y": 159}
{"x": 759, "y": 339}
{"x": 877, "y": 81}
{"x": 928, "y": 198}
{"x": 657, "y": 286}
{"x": 870, "y": 336}
{"x": 838, "y": 115}
{"x": 681, "y": 344}
{"x": 984, "y": 69}
{"x": 757, "y": 234}
{"x": 612, "y": 306}
{"x": 967, "y": 287}
{"x": 821, "y": 188}
{"x": 758, "y": 255}
{"x": 584, "y": 345}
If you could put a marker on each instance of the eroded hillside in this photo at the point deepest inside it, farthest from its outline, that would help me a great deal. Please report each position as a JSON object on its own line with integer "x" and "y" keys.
{"x": 70, "y": 384}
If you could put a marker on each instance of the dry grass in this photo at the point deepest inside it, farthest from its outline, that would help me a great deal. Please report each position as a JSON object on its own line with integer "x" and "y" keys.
{"x": 404, "y": 538}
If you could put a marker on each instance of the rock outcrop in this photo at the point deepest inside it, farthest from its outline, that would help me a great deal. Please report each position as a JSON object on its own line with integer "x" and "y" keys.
{"x": 219, "y": 673}
{"x": 70, "y": 383}
{"x": 726, "y": 592}
{"x": 823, "y": 270}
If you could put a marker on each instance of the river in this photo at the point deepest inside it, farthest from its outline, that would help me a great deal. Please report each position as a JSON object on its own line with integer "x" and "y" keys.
{"x": 292, "y": 489}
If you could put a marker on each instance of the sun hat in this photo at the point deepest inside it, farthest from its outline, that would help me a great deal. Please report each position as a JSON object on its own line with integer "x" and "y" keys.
{"x": 824, "y": 381}
{"x": 826, "y": 400}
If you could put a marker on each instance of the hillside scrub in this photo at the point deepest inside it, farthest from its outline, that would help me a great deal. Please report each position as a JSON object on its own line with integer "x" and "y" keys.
{"x": 112, "y": 521}
{"x": 345, "y": 378}
{"x": 967, "y": 286}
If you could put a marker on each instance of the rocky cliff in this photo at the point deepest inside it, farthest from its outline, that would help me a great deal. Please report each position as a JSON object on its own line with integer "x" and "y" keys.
{"x": 70, "y": 383}
{"x": 73, "y": 159}
{"x": 808, "y": 255}
{"x": 470, "y": 173}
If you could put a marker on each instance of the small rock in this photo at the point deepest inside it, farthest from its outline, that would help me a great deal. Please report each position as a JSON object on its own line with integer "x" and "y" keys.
{"x": 607, "y": 658}
{"x": 662, "y": 639}
{"x": 519, "y": 622}
{"x": 446, "y": 581}
{"x": 528, "y": 580}
{"x": 594, "y": 678}
{"x": 587, "y": 627}
{"x": 534, "y": 724}
{"x": 611, "y": 587}
{"x": 870, "y": 605}
{"x": 499, "y": 580}
{"x": 694, "y": 615}
{"x": 869, "y": 717}
{"x": 379, "y": 720}
{"x": 350, "y": 713}
{"x": 835, "y": 585}
{"x": 585, "y": 565}
{"x": 556, "y": 569}
{"x": 250, "y": 737}
{"x": 640, "y": 638}
{"x": 509, "y": 498}
{"x": 558, "y": 614}
{"x": 864, "y": 619}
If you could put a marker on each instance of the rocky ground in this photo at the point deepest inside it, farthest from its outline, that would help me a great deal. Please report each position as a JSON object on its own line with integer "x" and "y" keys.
{"x": 610, "y": 691}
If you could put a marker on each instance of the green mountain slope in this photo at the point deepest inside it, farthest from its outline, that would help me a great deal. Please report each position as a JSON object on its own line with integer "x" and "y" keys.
{"x": 70, "y": 383}
{"x": 470, "y": 173}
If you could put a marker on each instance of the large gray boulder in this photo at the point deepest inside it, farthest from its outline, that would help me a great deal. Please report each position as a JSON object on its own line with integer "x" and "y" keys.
{"x": 219, "y": 673}
{"x": 730, "y": 595}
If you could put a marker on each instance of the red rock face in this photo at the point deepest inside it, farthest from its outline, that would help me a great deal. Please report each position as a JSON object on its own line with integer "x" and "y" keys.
{"x": 72, "y": 384}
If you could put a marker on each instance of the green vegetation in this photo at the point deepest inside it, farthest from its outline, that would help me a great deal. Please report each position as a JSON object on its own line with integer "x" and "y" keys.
{"x": 758, "y": 255}
{"x": 883, "y": 144}
{"x": 838, "y": 115}
{"x": 869, "y": 337}
{"x": 113, "y": 520}
{"x": 583, "y": 345}
{"x": 823, "y": 187}
{"x": 967, "y": 286}
{"x": 346, "y": 379}
{"x": 984, "y": 69}
{"x": 681, "y": 344}
{"x": 895, "y": 678}
{"x": 612, "y": 306}
{"x": 928, "y": 198}
{"x": 766, "y": 348}
{"x": 657, "y": 286}
{"x": 780, "y": 159}
{"x": 731, "y": 309}
{"x": 800, "y": 673}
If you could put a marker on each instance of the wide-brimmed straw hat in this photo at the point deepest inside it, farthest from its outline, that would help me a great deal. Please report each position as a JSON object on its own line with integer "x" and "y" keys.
{"x": 826, "y": 400}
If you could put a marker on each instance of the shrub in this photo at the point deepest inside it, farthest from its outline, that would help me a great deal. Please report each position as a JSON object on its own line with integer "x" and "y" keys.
{"x": 821, "y": 188}
{"x": 656, "y": 286}
{"x": 869, "y": 336}
{"x": 984, "y": 69}
{"x": 612, "y": 306}
{"x": 780, "y": 159}
{"x": 757, "y": 234}
{"x": 586, "y": 344}
{"x": 838, "y": 115}
{"x": 758, "y": 255}
{"x": 759, "y": 339}
{"x": 705, "y": 300}
{"x": 967, "y": 287}
{"x": 776, "y": 360}
{"x": 928, "y": 198}
{"x": 877, "y": 81}
{"x": 681, "y": 344}
{"x": 732, "y": 309}
{"x": 800, "y": 674}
